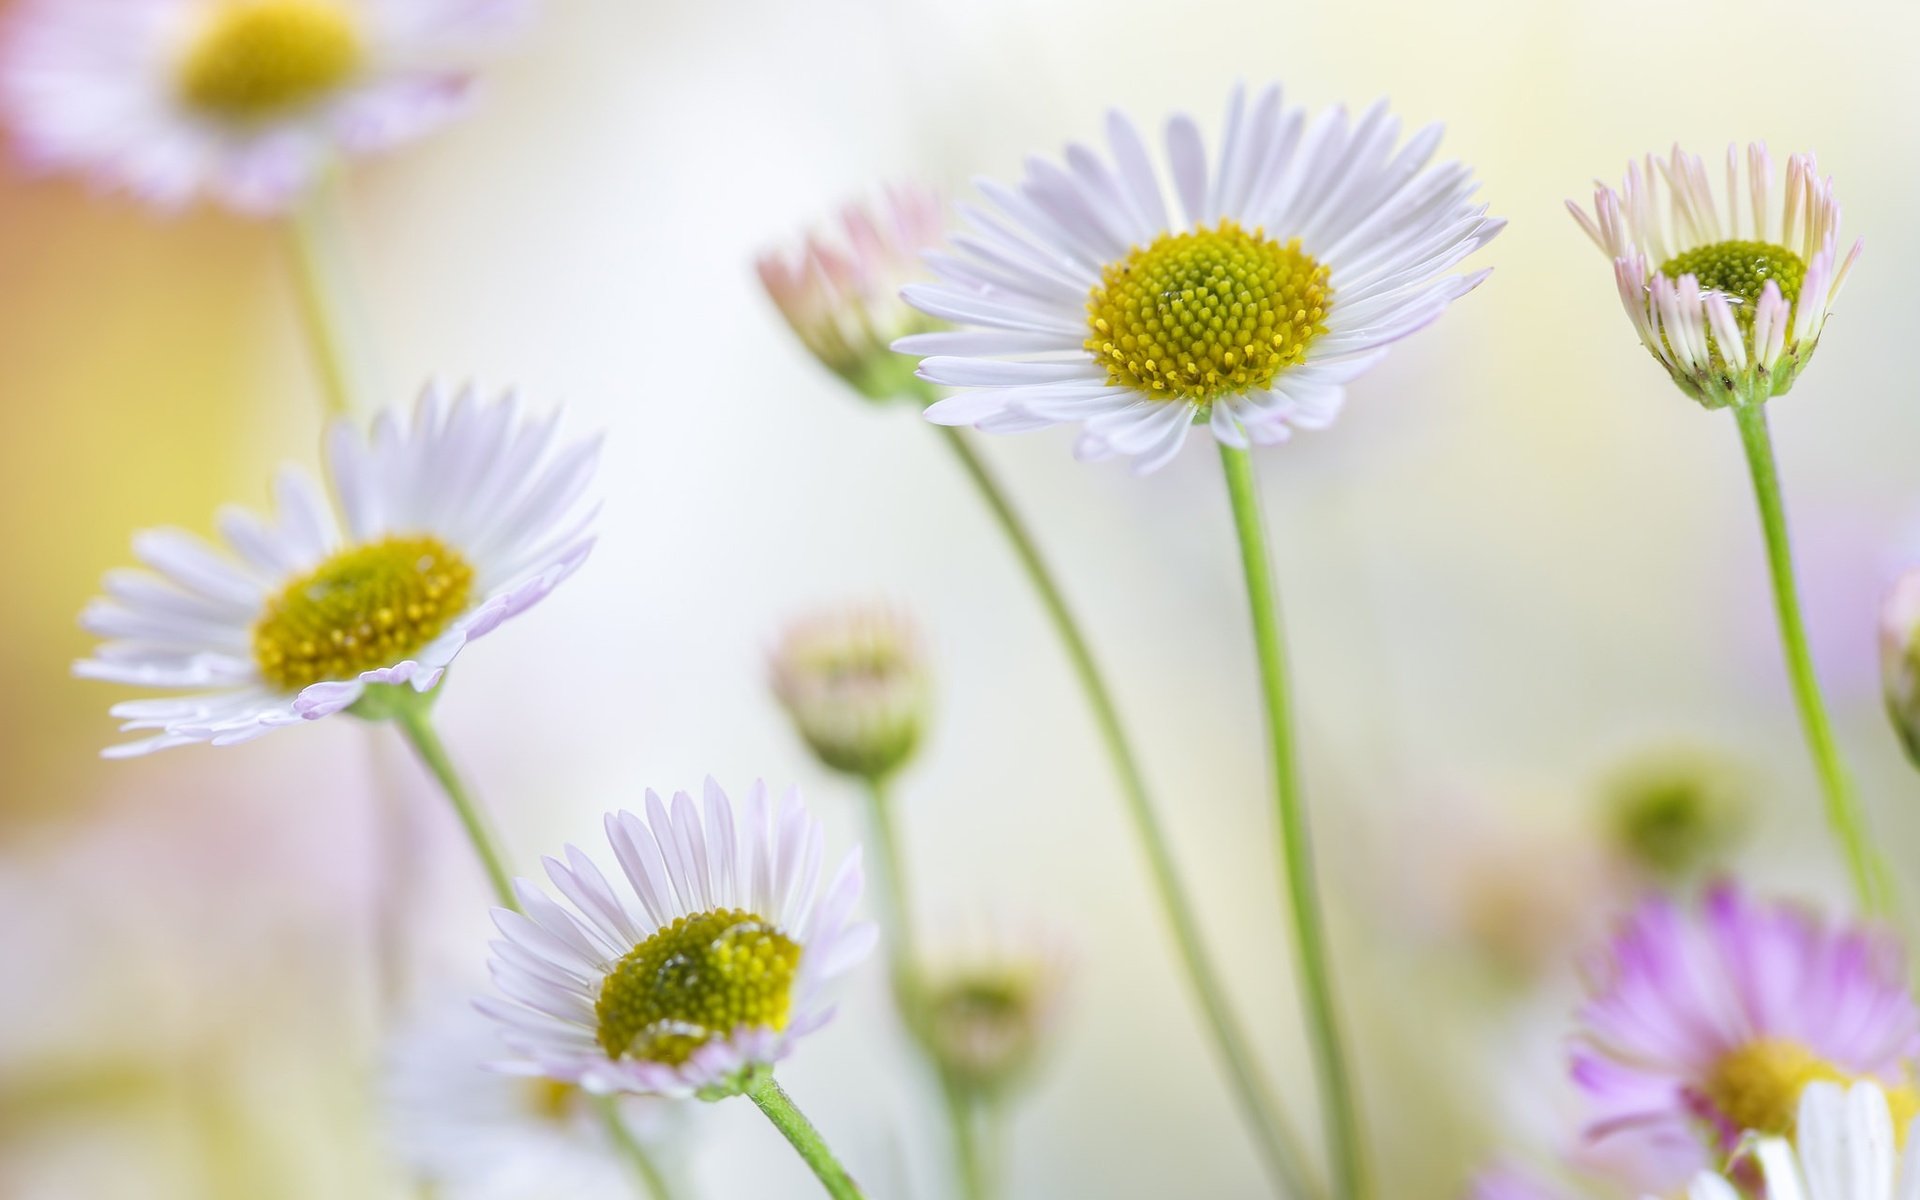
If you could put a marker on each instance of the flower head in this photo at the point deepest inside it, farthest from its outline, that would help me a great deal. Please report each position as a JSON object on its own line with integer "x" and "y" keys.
{"x": 1729, "y": 294}
{"x": 856, "y": 687}
{"x": 1900, "y": 659}
{"x": 1706, "y": 1026}
{"x": 711, "y": 978}
{"x": 241, "y": 100}
{"x": 1290, "y": 266}
{"x": 842, "y": 295}
{"x": 1676, "y": 813}
{"x": 451, "y": 525}
{"x": 987, "y": 1015}
{"x": 1846, "y": 1148}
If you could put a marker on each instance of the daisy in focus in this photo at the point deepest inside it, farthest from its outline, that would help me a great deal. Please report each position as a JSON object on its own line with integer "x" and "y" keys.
{"x": 1729, "y": 293}
{"x": 449, "y": 526}
{"x": 1706, "y": 1026}
{"x": 1289, "y": 266}
{"x": 702, "y": 973}
{"x": 476, "y": 1134}
{"x": 840, "y": 294}
{"x": 244, "y": 101}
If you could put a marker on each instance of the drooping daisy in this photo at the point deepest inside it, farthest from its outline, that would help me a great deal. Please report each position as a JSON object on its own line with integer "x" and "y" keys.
{"x": 1289, "y": 267}
{"x": 708, "y": 981}
{"x": 841, "y": 296}
{"x": 450, "y": 526}
{"x": 1729, "y": 294}
{"x": 1847, "y": 1147}
{"x": 472, "y": 1133}
{"x": 1712, "y": 1023}
{"x": 241, "y": 100}
{"x": 855, "y": 684}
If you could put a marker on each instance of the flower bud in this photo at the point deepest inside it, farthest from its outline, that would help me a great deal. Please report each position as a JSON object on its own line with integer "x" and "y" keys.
{"x": 1900, "y": 660}
{"x": 856, "y": 687}
{"x": 842, "y": 296}
{"x": 987, "y": 1020}
{"x": 1677, "y": 813}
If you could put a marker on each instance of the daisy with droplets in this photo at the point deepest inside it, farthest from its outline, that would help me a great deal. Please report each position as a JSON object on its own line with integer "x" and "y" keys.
{"x": 245, "y": 101}
{"x": 700, "y": 974}
{"x": 1288, "y": 266}
{"x": 1730, "y": 294}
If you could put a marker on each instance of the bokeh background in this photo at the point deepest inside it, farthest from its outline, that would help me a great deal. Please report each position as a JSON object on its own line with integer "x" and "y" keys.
{"x": 1518, "y": 561}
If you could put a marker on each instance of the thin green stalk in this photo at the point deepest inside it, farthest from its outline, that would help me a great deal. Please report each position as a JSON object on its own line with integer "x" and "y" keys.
{"x": 969, "y": 1156}
{"x": 650, "y": 1181}
{"x": 806, "y": 1140}
{"x": 1871, "y": 878}
{"x": 324, "y": 312}
{"x": 1279, "y": 1148}
{"x": 417, "y": 725}
{"x": 1338, "y": 1105}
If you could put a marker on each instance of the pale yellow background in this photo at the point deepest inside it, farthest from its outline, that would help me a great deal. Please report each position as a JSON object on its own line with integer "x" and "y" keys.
{"x": 1517, "y": 557}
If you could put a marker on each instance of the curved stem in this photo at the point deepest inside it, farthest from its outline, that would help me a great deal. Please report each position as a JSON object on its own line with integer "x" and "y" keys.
{"x": 1871, "y": 878}
{"x": 323, "y": 312}
{"x": 651, "y": 1183}
{"x": 1279, "y": 1149}
{"x": 416, "y": 723}
{"x": 1337, "y": 1100}
{"x": 793, "y": 1124}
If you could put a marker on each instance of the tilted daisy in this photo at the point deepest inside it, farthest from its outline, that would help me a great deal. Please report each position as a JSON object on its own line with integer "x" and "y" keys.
{"x": 1847, "y": 1148}
{"x": 1288, "y": 267}
{"x": 715, "y": 974}
{"x": 1729, "y": 293}
{"x": 449, "y": 526}
{"x": 241, "y": 100}
{"x": 1713, "y": 1022}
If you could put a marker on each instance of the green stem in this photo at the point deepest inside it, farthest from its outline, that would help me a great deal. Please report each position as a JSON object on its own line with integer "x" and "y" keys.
{"x": 1341, "y": 1115}
{"x": 416, "y": 724}
{"x": 1279, "y": 1148}
{"x": 1871, "y": 877}
{"x": 968, "y": 1154}
{"x": 793, "y": 1124}
{"x": 651, "y": 1183}
{"x": 317, "y": 284}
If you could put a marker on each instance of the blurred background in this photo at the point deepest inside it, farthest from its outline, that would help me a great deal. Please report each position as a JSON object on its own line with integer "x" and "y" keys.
{"x": 1520, "y": 564}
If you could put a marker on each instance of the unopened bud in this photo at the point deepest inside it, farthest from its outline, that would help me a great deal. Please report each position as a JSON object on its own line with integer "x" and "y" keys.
{"x": 1677, "y": 813}
{"x": 856, "y": 687}
{"x": 1900, "y": 660}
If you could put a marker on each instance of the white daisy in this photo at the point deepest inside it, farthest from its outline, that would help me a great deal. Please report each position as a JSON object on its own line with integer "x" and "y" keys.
{"x": 1730, "y": 300}
{"x": 451, "y": 526}
{"x": 714, "y": 976}
{"x": 477, "y": 1134}
{"x": 1306, "y": 250}
{"x": 1844, "y": 1148}
{"x": 243, "y": 100}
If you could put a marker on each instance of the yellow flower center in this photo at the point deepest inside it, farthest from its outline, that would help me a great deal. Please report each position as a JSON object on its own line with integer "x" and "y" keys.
{"x": 695, "y": 981}
{"x": 1740, "y": 270}
{"x": 260, "y": 58}
{"x": 364, "y": 608}
{"x": 1757, "y": 1087}
{"x": 550, "y": 1099}
{"x": 1196, "y": 316}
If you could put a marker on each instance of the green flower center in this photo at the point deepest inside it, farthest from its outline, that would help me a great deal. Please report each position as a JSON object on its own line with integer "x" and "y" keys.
{"x": 1740, "y": 270}
{"x": 696, "y": 981}
{"x": 1196, "y": 316}
{"x": 259, "y": 58}
{"x": 364, "y": 608}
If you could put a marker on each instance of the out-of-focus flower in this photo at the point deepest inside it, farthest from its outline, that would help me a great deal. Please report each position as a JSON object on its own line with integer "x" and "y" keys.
{"x": 1900, "y": 660}
{"x": 716, "y": 977}
{"x": 477, "y": 1134}
{"x": 452, "y": 526}
{"x": 1710, "y": 1024}
{"x": 245, "y": 101}
{"x": 1846, "y": 1148}
{"x": 842, "y": 296}
{"x": 1506, "y": 1183}
{"x": 856, "y": 686}
{"x": 1730, "y": 295}
{"x": 986, "y": 1015}
{"x": 1304, "y": 253}
{"x": 1676, "y": 814}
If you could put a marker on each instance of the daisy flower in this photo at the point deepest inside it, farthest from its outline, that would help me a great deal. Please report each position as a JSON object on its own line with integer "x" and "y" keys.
{"x": 448, "y": 527}
{"x": 245, "y": 101}
{"x": 1729, "y": 293}
{"x": 700, "y": 987}
{"x": 1847, "y": 1148}
{"x": 856, "y": 686}
{"x": 476, "y": 1134}
{"x": 840, "y": 293}
{"x": 1712, "y": 1023}
{"x": 1287, "y": 269}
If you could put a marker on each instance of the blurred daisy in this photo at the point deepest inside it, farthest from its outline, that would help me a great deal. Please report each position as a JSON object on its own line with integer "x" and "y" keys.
{"x": 704, "y": 985}
{"x": 855, "y": 684}
{"x": 1711, "y": 1024}
{"x": 477, "y": 1134}
{"x": 989, "y": 1011}
{"x": 841, "y": 296}
{"x": 242, "y": 100}
{"x": 1729, "y": 294}
{"x": 451, "y": 526}
{"x": 1292, "y": 264}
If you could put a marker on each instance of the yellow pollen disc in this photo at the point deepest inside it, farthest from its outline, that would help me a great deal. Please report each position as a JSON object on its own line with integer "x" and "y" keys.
{"x": 695, "y": 981}
{"x": 259, "y": 58}
{"x": 550, "y": 1099}
{"x": 364, "y": 608}
{"x": 1757, "y": 1087}
{"x": 1196, "y": 316}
